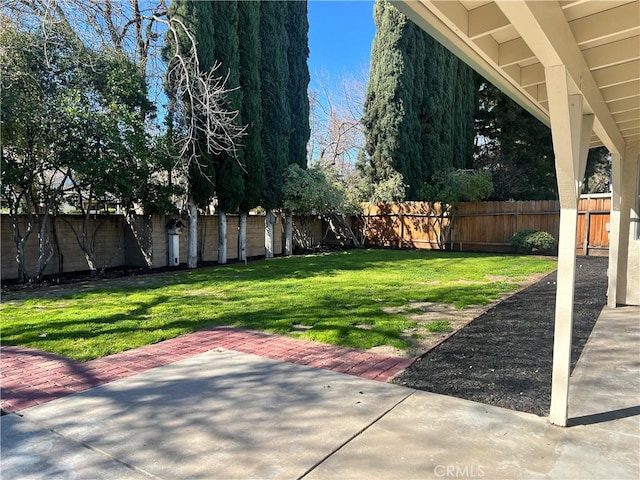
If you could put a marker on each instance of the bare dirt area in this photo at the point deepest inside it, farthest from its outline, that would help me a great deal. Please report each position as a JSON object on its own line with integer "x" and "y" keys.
{"x": 422, "y": 339}
{"x": 504, "y": 356}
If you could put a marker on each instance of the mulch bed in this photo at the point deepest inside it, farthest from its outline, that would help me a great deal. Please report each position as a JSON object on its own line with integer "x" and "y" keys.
{"x": 504, "y": 357}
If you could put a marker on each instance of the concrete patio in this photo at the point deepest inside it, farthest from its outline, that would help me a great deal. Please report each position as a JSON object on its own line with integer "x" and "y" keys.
{"x": 225, "y": 414}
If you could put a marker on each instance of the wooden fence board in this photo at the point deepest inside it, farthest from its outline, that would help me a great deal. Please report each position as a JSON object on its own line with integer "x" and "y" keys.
{"x": 486, "y": 226}
{"x": 479, "y": 226}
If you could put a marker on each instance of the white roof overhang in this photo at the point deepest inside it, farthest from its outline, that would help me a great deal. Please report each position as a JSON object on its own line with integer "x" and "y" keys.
{"x": 512, "y": 42}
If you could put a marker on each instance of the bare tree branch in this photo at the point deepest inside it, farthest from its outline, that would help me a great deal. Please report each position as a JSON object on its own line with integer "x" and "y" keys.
{"x": 336, "y": 120}
{"x": 199, "y": 98}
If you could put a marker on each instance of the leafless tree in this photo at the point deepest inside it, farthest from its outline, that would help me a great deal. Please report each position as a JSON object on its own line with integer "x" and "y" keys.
{"x": 337, "y": 131}
{"x": 198, "y": 101}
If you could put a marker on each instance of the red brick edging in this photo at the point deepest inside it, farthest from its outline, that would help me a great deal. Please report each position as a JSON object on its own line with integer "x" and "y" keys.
{"x": 30, "y": 377}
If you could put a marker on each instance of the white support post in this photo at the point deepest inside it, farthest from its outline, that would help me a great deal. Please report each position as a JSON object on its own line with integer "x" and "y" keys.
{"x": 628, "y": 272}
{"x": 614, "y": 229}
{"x": 563, "y": 328}
{"x": 571, "y": 131}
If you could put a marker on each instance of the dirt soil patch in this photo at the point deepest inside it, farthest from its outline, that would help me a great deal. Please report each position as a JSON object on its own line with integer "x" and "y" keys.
{"x": 420, "y": 337}
{"x": 504, "y": 356}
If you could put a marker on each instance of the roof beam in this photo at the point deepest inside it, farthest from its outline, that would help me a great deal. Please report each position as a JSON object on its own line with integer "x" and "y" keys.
{"x": 456, "y": 13}
{"x": 606, "y": 24}
{"x": 546, "y": 31}
{"x": 622, "y": 73}
{"x": 485, "y": 20}
{"x": 514, "y": 51}
{"x": 612, "y": 53}
{"x": 427, "y": 16}
{"x": 620, "y": 92}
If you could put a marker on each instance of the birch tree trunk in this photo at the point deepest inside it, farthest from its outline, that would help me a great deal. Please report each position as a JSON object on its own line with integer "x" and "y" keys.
{"x": 242, "y": 236}
{"x": 222, "y": 237}
{"x": 269, "y": 220}
{"x": 288, "y": 234}
{"x": 192, "y": 234}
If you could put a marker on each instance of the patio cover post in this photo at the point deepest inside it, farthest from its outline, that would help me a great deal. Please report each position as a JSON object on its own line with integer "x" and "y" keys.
{"x": 571, "y": 132}
{"x": 614, "y": 229}
{"x": 623, "y": 274}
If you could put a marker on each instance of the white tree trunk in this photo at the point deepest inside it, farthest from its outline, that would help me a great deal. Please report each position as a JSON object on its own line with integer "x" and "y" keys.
{"x": 288, "y": 234}
{"x": 242, "y": 236}
{"x": 269, "y": 220}
{"x": 192, "y": 234}
{"x": 222, "y": 236}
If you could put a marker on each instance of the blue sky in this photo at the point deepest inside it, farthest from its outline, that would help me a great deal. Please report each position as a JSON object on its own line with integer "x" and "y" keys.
{"x": 340, "y": 36}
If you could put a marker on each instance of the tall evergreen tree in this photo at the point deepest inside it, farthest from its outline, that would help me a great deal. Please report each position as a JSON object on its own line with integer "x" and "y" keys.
{"x": 417, "y": 90}
{"x": 229, "y": 183}
{"x": 197, "y": 17}
{"x": 297, "y": 25}
{"x": 251, "y": 113}
{"x": 386, "y": 96}
{"x": 274, "y": 77}
{"x": 464, "y": 110}
{"x": 515, "y": 147}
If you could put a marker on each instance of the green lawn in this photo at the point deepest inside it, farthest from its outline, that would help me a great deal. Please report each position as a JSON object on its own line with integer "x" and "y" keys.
{"x": 336, "y": 294}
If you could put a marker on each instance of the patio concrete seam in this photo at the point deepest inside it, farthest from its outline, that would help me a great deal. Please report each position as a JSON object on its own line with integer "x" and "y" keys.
{"x": 354, "y": 436}
{"x": 87, "y": 446}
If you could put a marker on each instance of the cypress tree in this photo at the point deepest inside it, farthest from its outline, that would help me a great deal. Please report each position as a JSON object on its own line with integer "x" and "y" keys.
{"x": 251, "y": 112}
{"x": 274, "y": 78}
{"x": 464, "y": 116}
{"x": 417, "y": 93}
{"x": 229, "y": 182}
{"x": 297, "y": 25}
{"x": 386, "y": 95}
{"x": 197, "y": 18}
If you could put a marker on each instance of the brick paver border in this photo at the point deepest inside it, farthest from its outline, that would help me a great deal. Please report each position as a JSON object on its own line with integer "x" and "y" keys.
{"x": 30, "y": 377}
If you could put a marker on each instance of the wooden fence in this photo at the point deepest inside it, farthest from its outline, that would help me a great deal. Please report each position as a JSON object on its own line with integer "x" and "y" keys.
{"x": 481, "y": 227}
{"x": 485, "y": 226}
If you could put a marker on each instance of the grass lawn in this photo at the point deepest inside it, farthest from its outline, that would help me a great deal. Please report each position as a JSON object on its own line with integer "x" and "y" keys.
{"x": 340, "y": 295}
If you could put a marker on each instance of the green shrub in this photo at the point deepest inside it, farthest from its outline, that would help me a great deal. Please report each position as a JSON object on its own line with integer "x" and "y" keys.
{"x": 532, "y": 241}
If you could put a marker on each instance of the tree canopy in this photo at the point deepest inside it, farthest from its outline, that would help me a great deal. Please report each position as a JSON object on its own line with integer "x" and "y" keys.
{"x": 515, "y": 147}
{"x": 419, "y": 104}
{"x": 229, "y": 184}
{"x": 72, "y": 128}
{"x": 252, "y": 153}
{"x": 276, "y": 110}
